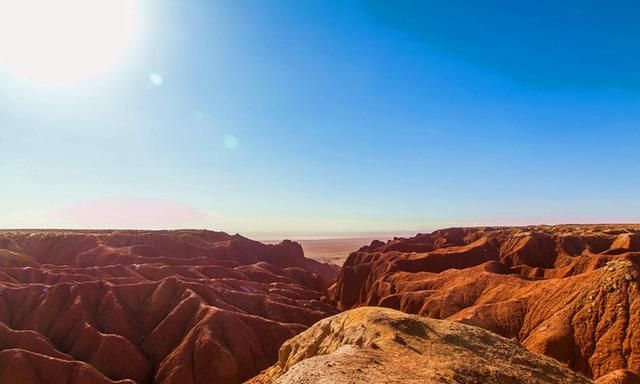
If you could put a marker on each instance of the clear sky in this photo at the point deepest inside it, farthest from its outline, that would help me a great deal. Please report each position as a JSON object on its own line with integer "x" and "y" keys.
{"x": 282, "y": 118}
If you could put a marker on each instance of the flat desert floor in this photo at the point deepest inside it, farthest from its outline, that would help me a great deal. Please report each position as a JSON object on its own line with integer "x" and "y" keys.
{"x": 334, "y": 250}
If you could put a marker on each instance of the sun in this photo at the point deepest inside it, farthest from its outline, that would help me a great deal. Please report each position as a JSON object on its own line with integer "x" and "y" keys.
{"x": 64, "y": 41}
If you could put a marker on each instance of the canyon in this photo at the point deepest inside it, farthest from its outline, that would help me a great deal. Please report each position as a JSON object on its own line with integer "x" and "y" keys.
{"x": 162, "y": 307}
{"x": 526, "y": 304}
{"x": 569, "y": 292}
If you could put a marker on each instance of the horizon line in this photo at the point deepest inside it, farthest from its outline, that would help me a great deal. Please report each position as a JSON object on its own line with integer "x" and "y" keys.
{"x": 315, "y": 235}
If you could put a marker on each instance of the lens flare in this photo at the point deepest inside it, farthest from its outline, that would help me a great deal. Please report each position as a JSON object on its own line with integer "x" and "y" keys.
{"x": 230, "y": 141}
{"x": 156, "y": 79}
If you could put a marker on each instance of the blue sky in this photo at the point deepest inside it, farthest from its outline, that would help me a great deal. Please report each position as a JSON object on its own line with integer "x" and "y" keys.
{"x": 291, "y": 118}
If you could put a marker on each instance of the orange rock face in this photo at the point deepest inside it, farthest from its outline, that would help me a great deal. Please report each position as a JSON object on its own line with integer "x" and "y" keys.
{"x": 162, "y": 306}
{"x": 378, "y": 345}
{"x": 569, "y": 292}
{"x": 620, "y": 376}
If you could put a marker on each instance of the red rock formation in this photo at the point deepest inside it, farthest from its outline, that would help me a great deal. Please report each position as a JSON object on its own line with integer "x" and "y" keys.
{"x": 621, "y": 376}
{"x": 380, "y": 345}
{"x": 570, "y": 292}
{"x": 162, "y": 306}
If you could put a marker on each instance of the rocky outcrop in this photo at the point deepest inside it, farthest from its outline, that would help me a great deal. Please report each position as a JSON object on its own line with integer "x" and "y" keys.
{"x": 151, "y": 306}
{"x": 207, "y": 307}
{"x": 23, "y": 366}
{"x": 620, "y": 376}
{"x": 569, "y": 292}
{"x": 380, "y": 345}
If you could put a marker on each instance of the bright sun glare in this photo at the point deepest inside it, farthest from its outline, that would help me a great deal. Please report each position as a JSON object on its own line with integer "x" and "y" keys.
{"x": 64, "y": 41}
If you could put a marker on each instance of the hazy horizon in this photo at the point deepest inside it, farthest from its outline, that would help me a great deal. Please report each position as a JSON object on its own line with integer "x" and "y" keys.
{"x": 276, "y": 237}
{"x": 288, "y": 119}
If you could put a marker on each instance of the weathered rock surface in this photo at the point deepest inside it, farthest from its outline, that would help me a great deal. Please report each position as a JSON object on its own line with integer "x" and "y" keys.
{"x": 381, "y": 345}
{"x": 569, "y": 292}
{"x": 159, "y": 306}
{"x": 620, "y": 376}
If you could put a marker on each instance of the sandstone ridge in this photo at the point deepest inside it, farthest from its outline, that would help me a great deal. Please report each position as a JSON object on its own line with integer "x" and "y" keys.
{"x": 150, "y": 306}
{"x": 380, "y": 345}
{"x": 571, "y": 292}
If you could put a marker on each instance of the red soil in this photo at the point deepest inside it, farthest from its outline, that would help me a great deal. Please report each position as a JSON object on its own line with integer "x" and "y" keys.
{"x": 165, "y": 306}
{"x": 570, "y": 292}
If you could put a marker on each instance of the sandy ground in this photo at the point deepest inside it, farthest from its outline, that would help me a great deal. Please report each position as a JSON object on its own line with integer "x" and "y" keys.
{"x": 333, "y": 250}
